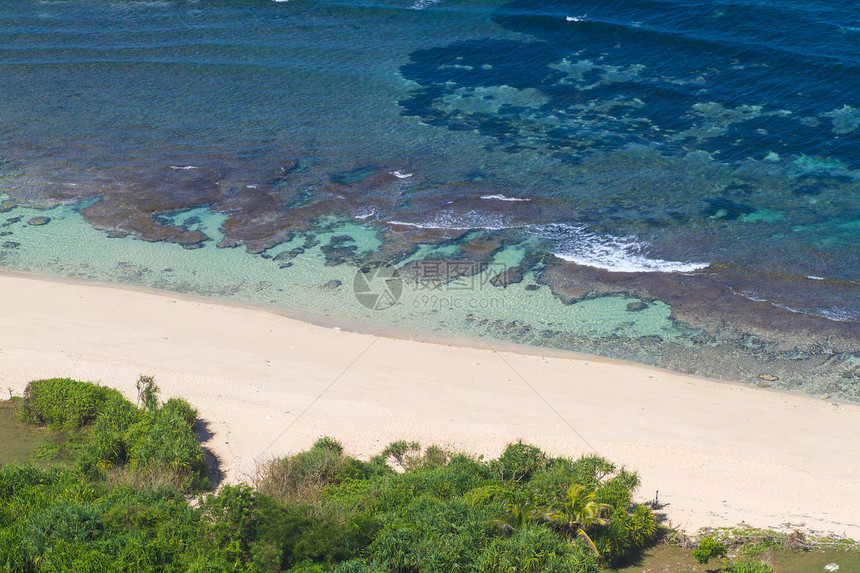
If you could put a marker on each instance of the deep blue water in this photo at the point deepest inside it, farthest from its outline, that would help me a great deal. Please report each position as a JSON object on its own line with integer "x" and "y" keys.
{"x": 651, "y": 138}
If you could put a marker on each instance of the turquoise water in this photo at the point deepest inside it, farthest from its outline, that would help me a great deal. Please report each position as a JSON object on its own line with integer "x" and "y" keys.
{"x": 666, "y": 182}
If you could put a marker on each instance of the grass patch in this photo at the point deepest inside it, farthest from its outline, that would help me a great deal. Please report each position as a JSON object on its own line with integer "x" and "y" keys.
{"x": 19, "y": 440}
{"x": 673, "y": 559}
{"x": 24, "y": 443}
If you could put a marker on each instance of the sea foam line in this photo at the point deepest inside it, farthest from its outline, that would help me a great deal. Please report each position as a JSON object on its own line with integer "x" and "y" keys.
{"x": 578, "y": 245}
{"x": 500, "y": 197}
{"x": 447, "y": 220}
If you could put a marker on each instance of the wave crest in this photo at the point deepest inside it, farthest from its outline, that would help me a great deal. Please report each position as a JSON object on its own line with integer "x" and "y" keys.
{"x": 617, "y": 254}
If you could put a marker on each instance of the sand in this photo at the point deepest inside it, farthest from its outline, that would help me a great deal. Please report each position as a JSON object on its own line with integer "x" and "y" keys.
{"x": 268, "y": 384}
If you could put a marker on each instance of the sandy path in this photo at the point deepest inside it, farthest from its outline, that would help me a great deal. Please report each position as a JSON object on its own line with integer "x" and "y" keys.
{"x": 267, "y": 384}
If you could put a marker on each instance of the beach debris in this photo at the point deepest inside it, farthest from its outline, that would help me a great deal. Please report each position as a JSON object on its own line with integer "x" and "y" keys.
{"x": 768, "y": 377}
{"x": 797, "y": 542}
{"x": 831, "y": 566}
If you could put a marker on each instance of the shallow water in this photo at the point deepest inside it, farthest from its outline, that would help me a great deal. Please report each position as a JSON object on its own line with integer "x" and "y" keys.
{"x": 662, "y": 181}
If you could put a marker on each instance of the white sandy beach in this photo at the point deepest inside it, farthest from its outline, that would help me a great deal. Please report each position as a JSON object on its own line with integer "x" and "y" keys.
{"x": 268, "y": 385}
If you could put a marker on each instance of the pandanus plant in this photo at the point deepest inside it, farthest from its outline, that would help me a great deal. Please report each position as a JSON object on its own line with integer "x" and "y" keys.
{"x": 520, "y": 515}
{"x": 579, "y": 513}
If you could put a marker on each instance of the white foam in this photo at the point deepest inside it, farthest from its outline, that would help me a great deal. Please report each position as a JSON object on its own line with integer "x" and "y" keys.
{"x": 618, "y": 254}
{"x": 367, "y": 215}
{"x": 183, "y": 167}
{"x": 577, "y": 18}
{"x": 421, "y": 4}
{"x": 400, "y": 174}
{"x": 500, "y": 197}
{"x": 447, "y": 220}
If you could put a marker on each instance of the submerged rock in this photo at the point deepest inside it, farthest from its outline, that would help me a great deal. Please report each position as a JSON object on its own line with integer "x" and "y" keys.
{"x": 338, "y": 255}
{"x": 511, "y": 276}
{"x": 637, "y": 306}
{"x": 341, "y": 239}
{"x": 39, "y": 221}
{"x": 11, "y": 245}
{"x": 8, "y": 205}
{"x": 332, "y": 284}
{"x": 284, "y": 257}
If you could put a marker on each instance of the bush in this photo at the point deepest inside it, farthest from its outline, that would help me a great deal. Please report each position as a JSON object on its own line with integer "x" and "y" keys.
{"x": 156, "y": 444}
{"x": 749, "y": 566}
{"x": 164, "y": 442}
{"x": 63, "y": 522}
{"x": 333, "y": 512}
{"x": 535, "y": 548}
{"x": 625, "y": 533}
{"x": 300, "y": 478}
{"x": 519, "y": 461}
{"x": 64, "y": 404}
{"x": 708, "y": 549}
{"x": 15, "y": 480}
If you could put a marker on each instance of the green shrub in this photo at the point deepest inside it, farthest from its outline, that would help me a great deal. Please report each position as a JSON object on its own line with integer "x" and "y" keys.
{"x": 354, "y": 566}
{"x": 302, "y": 477}
{"x": 164, "y": 442}
{"x": 447, "y": 513}
{"x": 46, "y": 451}
{"x": 625, "y": 533}
{"x": 708, "y": 549}
{"x": 749, "y": 566}
{"x": 590, "y": 471}
{"x": 63, "y": 522}
{"x": 328, "y": 443}
{"x": 14, "y": 480}
{"x": 519, "y": 461}
{"x": 64, "y": 404}
{"x": 535, "y": 548}
{"x": 488, "y": 493}
{"x": 618, "y": 490}
{"x": 401, "y": 453}
{"x": 156, "y": 444}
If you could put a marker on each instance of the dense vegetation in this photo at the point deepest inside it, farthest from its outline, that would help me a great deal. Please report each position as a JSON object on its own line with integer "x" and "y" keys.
{"x": 122, "y": 504}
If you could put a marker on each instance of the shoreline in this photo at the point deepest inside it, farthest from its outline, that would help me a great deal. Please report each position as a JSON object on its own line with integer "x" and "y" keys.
{"x": 269, "y": 381}
{"x": 397, "y": 332}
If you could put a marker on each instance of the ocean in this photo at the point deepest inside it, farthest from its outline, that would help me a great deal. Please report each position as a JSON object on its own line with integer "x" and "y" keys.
{"x": 671, "y": 182}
